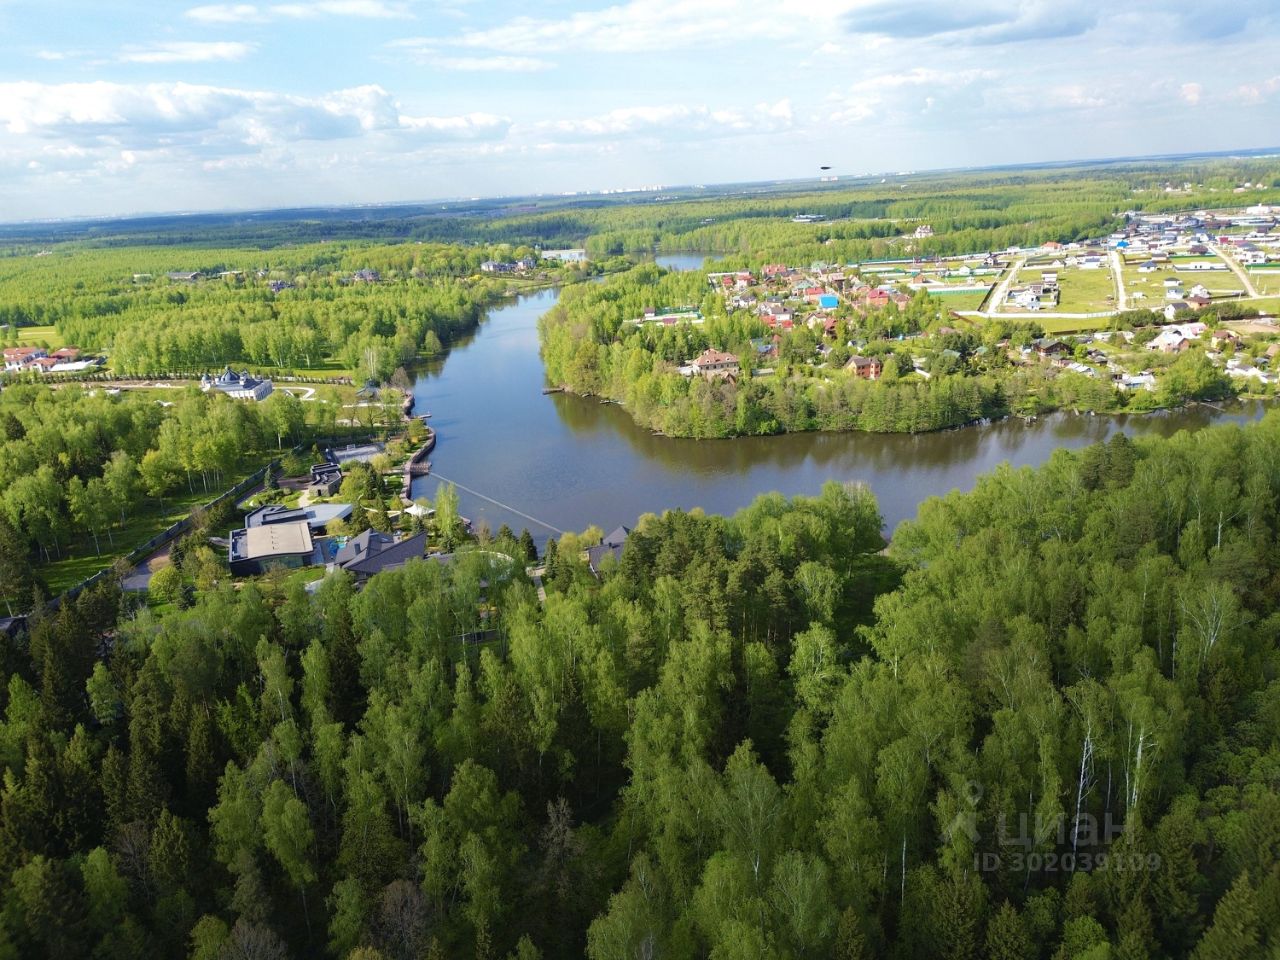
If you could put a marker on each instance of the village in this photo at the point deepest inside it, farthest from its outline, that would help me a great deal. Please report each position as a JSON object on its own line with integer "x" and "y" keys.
{"x": 1115, "y": 310}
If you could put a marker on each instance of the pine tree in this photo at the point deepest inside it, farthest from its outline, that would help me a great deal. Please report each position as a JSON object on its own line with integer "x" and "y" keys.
{"x": 1234, "y": 934}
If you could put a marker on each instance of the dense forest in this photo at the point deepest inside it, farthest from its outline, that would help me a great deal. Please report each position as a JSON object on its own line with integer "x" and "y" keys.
{"x": 1046, "y": 724}
{"x": 120, "y": 300}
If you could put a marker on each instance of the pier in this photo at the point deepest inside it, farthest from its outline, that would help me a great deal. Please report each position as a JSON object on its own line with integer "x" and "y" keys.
{"x": 417, "y": 466}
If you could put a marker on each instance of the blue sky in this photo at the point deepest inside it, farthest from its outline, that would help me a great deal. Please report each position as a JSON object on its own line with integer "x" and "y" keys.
{"x": 132, "y": 107}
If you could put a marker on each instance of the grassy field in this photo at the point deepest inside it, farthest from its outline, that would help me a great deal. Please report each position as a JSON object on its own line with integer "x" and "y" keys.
{"x": 34, "y": 336}
{"x": 1056, "y": 325}
{"x": 960, "y": 301}
{"x": 1267, "y": 305}
{"x": 1151, "y": 286}
{"x": 1085, "y": 291}
{"x": 1266, "y": 281}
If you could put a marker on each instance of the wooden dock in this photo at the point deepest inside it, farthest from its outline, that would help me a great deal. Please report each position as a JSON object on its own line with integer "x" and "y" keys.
{"x": 417, "y": 466}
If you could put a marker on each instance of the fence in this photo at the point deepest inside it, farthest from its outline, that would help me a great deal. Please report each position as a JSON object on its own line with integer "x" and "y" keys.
{"x": 144, "y": 550}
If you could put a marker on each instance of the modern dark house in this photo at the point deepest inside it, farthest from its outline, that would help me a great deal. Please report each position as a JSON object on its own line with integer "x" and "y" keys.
{"x": 372, "y": 552}
{"x": 317, "y": 516}
{"x": 254, "y": 549}
{"x": 610, "y": 547}
{"x": 326, "y": 478}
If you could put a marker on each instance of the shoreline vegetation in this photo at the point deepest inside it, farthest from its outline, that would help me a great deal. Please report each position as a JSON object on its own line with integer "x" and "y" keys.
{"x": 937, "y": 371}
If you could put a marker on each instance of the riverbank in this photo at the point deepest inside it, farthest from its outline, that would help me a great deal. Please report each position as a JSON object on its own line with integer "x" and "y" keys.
{"x": 572, "y": 461}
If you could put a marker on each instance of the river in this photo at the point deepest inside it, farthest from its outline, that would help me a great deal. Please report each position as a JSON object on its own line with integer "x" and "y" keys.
{"x": 569, "y": 462}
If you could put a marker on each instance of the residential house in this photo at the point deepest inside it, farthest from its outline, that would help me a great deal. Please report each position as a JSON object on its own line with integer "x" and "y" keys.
{"x": 316, "y": 516}
{"x": 326, "y": 478}
{"x": 923, "y": 231}
{"x": 17, "y": 358}
{"x": 494, "y": 266}
{"x": 255, "y": 549}
{"x": 237, "y": 386}
{"x": 1170, "y": 341}
{"x": 766, "y": 348}
{"x": 365, "y": 276}
{"x": 609, "y": 549}
{"x": 525, "y": 264}
{"x": 714, "y": 363}
{"x": 865, "y": 368}
{"x": 1220, "y": 338}
{"x": 372, "y": 552}
{"x": 1048, "y": 348}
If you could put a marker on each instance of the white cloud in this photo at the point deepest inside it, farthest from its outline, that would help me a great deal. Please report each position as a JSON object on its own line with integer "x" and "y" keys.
{"x": 670, "y": 121}
{"x": 895, "y": 96}
{"x": 226, "y": 13}
{"x": 204, "y": 120}
{"x": 367, "y": 9}
{"x": 973, "y": 22}
{"x": 1253, "y": 94}
{"x": 189, "y": 52}
{"x": 1191, "y": 93}
{"x": 643, "y": 25}
{"x": 252, "y": 13}
{"x": 496, "y": 64}
{"x": 426, "y": 51}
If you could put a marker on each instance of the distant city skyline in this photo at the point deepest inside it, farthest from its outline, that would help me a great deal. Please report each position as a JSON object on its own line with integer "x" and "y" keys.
{"x": 116, "y": 110}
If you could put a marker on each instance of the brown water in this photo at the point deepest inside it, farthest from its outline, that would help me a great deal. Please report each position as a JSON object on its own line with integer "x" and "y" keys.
{"x": 571, "y": 461}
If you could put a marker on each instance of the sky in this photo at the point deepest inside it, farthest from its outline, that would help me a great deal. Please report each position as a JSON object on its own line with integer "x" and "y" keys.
{"x": 131, "y": 107}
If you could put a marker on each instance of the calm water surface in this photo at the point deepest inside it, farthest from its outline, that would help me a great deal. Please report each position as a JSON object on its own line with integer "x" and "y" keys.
{"x": 571, "y": 461}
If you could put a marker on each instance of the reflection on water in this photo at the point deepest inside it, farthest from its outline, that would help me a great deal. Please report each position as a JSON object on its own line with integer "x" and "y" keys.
{"x": 574, "y": 461}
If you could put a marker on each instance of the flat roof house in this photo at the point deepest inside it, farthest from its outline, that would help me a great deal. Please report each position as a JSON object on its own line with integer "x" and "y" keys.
{"x": 317, "y": 516}
{"x": 326, "y": 478}
{"x": 254, "y": 549}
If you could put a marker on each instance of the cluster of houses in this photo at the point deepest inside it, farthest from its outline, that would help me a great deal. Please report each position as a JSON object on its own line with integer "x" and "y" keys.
{"x": 523, "y": 265}
{"x": 1243, "y": 236}
{"x": 1173, "y": 339}
{"x": 1043, "y": 295}
{"x": 40, "y": 360}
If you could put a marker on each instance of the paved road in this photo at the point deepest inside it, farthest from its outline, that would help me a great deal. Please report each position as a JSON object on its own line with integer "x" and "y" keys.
{"x": 1239, "y": 272}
